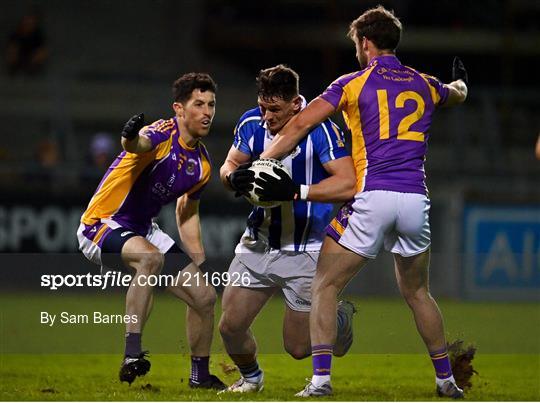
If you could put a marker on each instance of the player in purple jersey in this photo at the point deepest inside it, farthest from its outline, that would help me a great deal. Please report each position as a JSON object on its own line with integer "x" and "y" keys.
{"x": 388, "y": 108}
{"x": 161, "y": 163}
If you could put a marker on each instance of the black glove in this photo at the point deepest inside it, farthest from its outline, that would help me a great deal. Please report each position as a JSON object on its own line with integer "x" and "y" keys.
{"x": 132, "y": 126}
{"x": 274, "y": 189}
{"x": 241, "y": 179}
{"x": 458, "y": 71}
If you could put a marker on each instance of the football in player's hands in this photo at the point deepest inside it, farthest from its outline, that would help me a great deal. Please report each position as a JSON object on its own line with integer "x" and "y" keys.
{"x": 133, "y": 126}
{"x": 280, "y": 188}
{"x": 266, "y": 168}
{"x": 458, "y": 71}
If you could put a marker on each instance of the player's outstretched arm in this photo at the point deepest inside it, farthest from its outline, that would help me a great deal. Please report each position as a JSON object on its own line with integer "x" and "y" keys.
{"x": 189, "y": 228}
{"x": 132, "y": 142}
{"x": 298, "y": 127}
{"x": 458, "y": 87}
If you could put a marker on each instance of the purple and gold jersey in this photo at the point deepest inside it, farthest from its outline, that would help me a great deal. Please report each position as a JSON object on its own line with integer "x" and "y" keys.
{"x": 389, "y": 108}
{"x": 137, "y": 186}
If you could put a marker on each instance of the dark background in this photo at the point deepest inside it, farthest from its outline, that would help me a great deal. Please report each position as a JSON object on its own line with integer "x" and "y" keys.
{"x": 108, "y": 60}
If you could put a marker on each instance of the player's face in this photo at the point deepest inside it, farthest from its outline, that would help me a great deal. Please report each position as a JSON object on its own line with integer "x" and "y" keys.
{"x": 198, "y": 112}
{"x": 276, "y": 112}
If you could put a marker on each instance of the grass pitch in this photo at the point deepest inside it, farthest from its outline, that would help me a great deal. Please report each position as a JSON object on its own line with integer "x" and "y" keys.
{"x": 387, "y": 361}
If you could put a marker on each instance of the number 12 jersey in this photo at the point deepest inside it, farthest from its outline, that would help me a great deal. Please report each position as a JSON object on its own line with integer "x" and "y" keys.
{"x": 389, "y": 108}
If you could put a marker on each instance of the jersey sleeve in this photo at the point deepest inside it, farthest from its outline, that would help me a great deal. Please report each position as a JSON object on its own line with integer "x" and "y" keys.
{"x": 244, "y": 132}
{"x": 158, "y": 132}
{"x": 439, "y": 92}
{"x": 196, "y": 194}
{"x": 335, "y": 94}
{"x": 328, "y": 142}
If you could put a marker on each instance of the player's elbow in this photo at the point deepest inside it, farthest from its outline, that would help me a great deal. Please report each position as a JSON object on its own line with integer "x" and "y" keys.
{"x": 457, "y": 94}
{"x": 129, "y": 146}
{"x": 462, "y": 95}
{"x": 126, "y": 145}
{"x": 223, "y": 172}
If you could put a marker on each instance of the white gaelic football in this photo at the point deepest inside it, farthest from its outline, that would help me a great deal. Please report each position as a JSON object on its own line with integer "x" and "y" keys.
{"x": 265, "y": 165}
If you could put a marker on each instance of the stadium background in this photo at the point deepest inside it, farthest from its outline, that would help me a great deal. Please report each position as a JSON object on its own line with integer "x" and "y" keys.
{"x": 109, "y": 60}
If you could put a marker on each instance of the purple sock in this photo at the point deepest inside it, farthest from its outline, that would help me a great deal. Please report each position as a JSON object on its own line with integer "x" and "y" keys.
{"x": 322, "y": 359}
{"x": 441, "y": 363}
{"x": 199, "y": 368}
{"x": 133, "y": 345}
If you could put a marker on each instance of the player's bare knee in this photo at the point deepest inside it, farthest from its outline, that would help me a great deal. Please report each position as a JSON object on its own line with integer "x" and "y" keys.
{"x": 150, "y": 263}
{"x": 296, "y": 350}
{"x": 223, "y": 327}
{"x": 316, "y": 285}
{"x": 226, "y": 328}
{"x": 230, "y": 327}
{"x": 205, "y": 300}
{"x": 322, "y": 284}
{"x": 415, "y": 297}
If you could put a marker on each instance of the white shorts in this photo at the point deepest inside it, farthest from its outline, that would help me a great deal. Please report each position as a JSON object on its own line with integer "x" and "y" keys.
{"x": 293, "y": 272}
{"x": 399, "y": 220}
{"x": 91, "y": 239}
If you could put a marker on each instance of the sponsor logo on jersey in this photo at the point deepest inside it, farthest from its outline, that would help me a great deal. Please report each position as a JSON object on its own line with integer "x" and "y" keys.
{"x": 182, "y": 160}
{"x": 123, "y": 234}
{"x": 170, "y": 182}
{"x": 162, "y": 191}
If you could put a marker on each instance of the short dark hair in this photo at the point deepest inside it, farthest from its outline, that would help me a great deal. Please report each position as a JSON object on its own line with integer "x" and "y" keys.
{"x": 184, "y": 86}
{"x": 380, "y": 26}
{"x": 277, "y": 82}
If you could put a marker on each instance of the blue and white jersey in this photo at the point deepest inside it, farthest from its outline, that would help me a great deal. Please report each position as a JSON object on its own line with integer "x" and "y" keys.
{"x": 297, "y": 225}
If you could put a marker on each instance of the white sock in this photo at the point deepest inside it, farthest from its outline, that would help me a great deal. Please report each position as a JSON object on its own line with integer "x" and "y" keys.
{"x": 440, "y": 381}
{"x": 318, "y": 380}
{"x": 256, "y": 377}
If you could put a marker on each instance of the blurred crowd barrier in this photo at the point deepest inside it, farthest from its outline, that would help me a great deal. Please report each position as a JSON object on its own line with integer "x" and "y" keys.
{"x": 480, "y": 251}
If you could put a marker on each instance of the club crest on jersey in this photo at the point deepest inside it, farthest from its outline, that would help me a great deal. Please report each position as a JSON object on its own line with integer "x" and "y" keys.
{"x": 345, "y": 212}
{"x": 295, "y": 152}
{"x": 190, "y": 166}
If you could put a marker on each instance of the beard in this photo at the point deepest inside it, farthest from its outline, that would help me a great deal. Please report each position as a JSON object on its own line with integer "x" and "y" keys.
{"x": 362, "y": 59}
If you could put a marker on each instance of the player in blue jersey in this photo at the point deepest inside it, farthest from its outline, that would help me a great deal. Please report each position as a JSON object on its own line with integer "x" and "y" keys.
{"x": 161, "y": 163}
{"x": 280, "y": 246}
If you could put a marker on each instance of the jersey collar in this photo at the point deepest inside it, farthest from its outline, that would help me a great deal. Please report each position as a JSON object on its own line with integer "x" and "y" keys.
{"x": 384, "y": 60}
